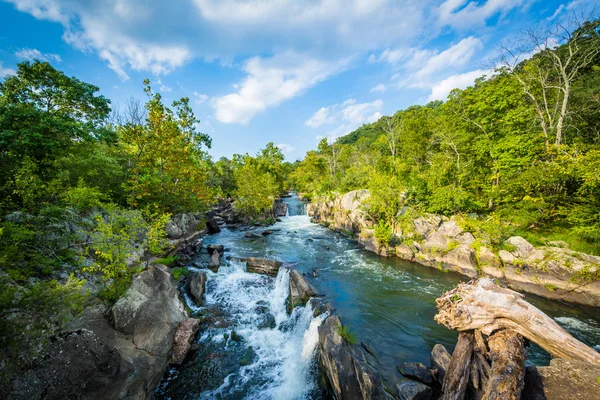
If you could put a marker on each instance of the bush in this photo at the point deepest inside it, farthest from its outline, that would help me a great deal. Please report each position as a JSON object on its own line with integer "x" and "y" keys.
{"x": 383, "y": 233}
{"x": 346, "y": 334}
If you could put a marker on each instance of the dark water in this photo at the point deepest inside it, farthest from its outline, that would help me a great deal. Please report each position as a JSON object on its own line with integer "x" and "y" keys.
{"x": 387, "y": 302}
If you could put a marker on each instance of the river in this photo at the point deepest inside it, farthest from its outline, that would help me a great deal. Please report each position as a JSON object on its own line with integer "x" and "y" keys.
{"x": 387, "y": 302}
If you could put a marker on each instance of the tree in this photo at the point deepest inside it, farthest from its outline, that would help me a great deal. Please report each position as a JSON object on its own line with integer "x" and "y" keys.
{"x": 256, "y": 189}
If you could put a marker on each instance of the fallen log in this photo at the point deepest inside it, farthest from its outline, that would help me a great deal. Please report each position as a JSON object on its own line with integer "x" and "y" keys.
{"x": 507, "y": 376}
{"x": 488, "y": 307}
{"x": 459, "y": 371}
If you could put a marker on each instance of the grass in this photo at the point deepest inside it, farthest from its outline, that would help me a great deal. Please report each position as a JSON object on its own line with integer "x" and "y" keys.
{"x": 575, "y": 241}
{"x": 168, "y": 260}
{"x": 178, "y": 272}
{"x": 346, "y": 334}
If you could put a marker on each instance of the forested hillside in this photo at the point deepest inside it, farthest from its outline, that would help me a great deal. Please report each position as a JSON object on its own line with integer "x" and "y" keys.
{"x": 84, "y": 189}
{"x": 516, "y": 153}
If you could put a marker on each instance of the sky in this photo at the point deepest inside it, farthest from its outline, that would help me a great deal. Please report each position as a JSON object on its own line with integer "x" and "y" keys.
{"x": 284, "y": 71}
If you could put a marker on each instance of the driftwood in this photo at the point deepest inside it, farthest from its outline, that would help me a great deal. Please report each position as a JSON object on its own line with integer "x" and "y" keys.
{"x": 507, "y": 376}
{"x": 485, "y": 306}
{"x": 459, "y": 372}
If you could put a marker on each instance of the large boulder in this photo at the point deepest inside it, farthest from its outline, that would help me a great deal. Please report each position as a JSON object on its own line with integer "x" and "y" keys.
{"x": 416, "y": 371}
{"x": 462, "y": 260}
{"x": 281, "y": 209}
{"x": 345, "y": 367}
{"x": 522, "y": 248}
{"x": 212, "y": 226}
{"x": 300, "y": 290}
{"x": 263, "y": 266}
{"x": 215, "y": 261}
{"x": 150, "y": 310}
{"x": 196, "y": 285}
{"x": 77, "y": 364}
{"x": 182, "y": 342}
{"x": 562, "y": 379}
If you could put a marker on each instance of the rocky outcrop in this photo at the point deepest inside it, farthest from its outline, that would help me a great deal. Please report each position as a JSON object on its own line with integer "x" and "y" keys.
{"x": 562, "y": 379}
{"x": 183, "y": 225}
{"x": 411, "y": 390}
{"x": 182, "y": 341}
{"x": 263, "y": 266}
{"x": 280, "y": 209}
{"x": 77, "y": 364}
{"x": 300, "y": 290}
{"x": 196, "y": 285}
{"x": 212, "y": 225}
{"x": 345, "y": 367}
{"x": 440, "y": 361}
{"x": 440, "y": 242}
{"x": 215, "y": 261}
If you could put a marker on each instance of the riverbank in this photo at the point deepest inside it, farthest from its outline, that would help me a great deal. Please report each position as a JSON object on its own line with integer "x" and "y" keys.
{"x": 439, "y": 242}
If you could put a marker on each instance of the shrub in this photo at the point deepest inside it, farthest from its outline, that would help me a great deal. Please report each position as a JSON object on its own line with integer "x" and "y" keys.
{"x": 346, "y": 334}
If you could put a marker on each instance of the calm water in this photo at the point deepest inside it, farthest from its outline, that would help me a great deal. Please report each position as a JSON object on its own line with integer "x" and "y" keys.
{"x": 388, "y": 303}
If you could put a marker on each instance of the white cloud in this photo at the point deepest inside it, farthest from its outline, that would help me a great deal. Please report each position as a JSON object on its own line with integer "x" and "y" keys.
{"x": 6, "y": 71}
{"x": 558, "y": 11}
{"x": 440, "y": 90}
{"x": 349, "y": 115}
{"x": 35, "y": 54}
{"x": 455, "y": 56}
{"x": 465, "y": 13}
{"x": 271, "y": 81}
{"x": 285, "y": 148}
{"x": 379, "y": 88}
{"x": 200, "y": 98}
{"x": 163, "y": 88}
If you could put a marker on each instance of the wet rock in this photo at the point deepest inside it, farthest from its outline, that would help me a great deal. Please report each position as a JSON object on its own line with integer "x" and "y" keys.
{"x": 76, "y": 364}
{"x": 281, "y": 209}
{"x": 440, "y": 360}
{"x": 368, "y": 349}
{"x": 522, "y": 247}
{"x": 150, "y": 310}
{"x": 196, "y": 285}
{"x": 562, "y": 379}
{"x": 346, "y": 370}
{"x": 182, "y": 342}
{"x": 267, "y": 232}
{"x": 236, "y": 337}
{"x": 265, "y": 319}
{"x": 263, "y": 266}
{"x": 411, "y": 390}
{"x": 300, "y": 290}
{"x": 417, "y": 371}
{"x": 251, "y": 235}
{"x": 215, "y": 261}
{"x": 248, "y": 357}
{"x": 215, "y": 247}
{"x": 212, "y": 226}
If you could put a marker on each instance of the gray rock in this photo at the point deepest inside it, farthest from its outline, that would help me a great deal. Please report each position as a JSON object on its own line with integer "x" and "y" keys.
{"x": 215, "y": 261}
{"x": 346, "y": 370}
{"x": 411, "y": 390}
{"x": 450, "y": 229}
{"x": 506, "y": 257}
{"x": 196, "y": 285}
{"x": 251, "y": 235}
{"x": 77, "y": 364}
{"x": 182, "y": 342}
{"x": 562, "y": 379}
{"x": 265, "y": 319}
{"x": 281, "y": 209}
{"x": 523, "y": 248}
{"x": 263, "y": 266}
{"x": 212, "y": 226}
{"x": 215, "y": 247}
{"x": 300, "y": 290}
{"x": 440, "y": 360}
{"x": 417, "y": 371}
{"x": 150, "y": 310}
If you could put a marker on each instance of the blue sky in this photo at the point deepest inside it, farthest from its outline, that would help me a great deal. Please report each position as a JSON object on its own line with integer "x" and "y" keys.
{"x": 282, "y": 71}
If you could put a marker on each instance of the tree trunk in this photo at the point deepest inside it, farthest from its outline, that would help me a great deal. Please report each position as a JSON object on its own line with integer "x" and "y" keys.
{"x": 459, "y": 371}
{"x": 507, "y": 351}
{"x": 563, "y": 112}
{"x": 484, "y": 305}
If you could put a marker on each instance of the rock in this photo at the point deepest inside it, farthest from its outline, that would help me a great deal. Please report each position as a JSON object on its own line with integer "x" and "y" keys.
{"x": 251, "y": 235}
{"x": 150, "y": 310}
{"x": 506, "y": 257}
{"x": 215, "y": 261}
{"x": 248, "y": 357}
{"x": 462, "y": 260}
{"x": 405, "y": 252}
{"x": 212, "y": 226}
{"x": 346, "y": 370}
{"x": 172, "y": 230}
{"x": 440, "y": 360}
{"x": 522, "y": 249}
{"x": 562, "y": 379}
{"x": 367, "y": 239}
{"x": 450, "y": 229}
{"x": 215, "y": 247}
{"x": 466, "y": 238}
{"x": 487, "y": 257}
{"x": 236, "y": 337}
{"x": 266, "y": 233}
{"x": 196, "y": 285}
{"x": 76, "y": 365}
{"x": 184, "y": 336}
{"x": 300, "y": 290}
{"x": 263, "y": 266}
{"x": 265, "y": 319}
{"x": 411, "y": 390}
{"x": 182, "y": 225}
{"x": 417, "y": 371}
{"x": 281, "y": 209}
{"x": 424, "y": 225}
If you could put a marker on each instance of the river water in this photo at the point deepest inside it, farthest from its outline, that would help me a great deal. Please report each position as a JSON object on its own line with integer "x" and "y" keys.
{"x": 387, "y": 302}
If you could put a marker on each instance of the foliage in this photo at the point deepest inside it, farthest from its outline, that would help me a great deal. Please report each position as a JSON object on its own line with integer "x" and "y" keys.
{"x": 383, "y": 233}
{"x": 346, "y": 334}
{"x": 179, "y": 272}
{"x": 168, "y": 260}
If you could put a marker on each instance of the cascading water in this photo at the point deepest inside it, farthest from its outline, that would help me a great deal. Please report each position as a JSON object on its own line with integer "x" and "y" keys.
{"x": 387, "y": 302}
{"x": 265, "y": 353}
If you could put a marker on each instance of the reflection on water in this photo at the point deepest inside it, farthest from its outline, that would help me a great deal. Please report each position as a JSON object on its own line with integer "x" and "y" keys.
{"x": 389, "y": 303}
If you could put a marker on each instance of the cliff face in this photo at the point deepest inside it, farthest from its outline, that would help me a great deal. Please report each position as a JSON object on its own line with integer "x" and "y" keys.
{"x": 440, "y": 242}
